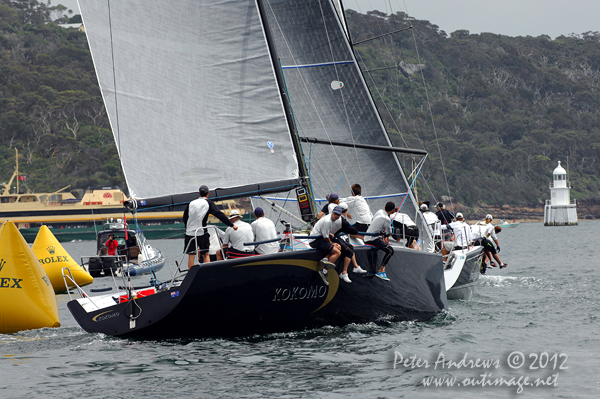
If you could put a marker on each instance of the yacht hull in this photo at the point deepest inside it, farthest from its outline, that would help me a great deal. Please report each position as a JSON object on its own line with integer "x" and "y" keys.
{"x": 275, "y": 293}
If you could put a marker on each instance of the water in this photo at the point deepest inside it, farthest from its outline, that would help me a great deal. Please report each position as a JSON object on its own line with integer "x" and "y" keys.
{"x": 545, "y": 304}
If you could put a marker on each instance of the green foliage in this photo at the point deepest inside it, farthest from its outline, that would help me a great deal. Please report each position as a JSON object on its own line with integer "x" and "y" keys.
{"x": 504, "y": 109}
{"x": 50, "y": 104}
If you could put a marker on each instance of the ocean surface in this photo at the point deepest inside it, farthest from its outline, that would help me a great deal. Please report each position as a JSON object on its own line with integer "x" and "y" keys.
{"x": 533, "y": 323}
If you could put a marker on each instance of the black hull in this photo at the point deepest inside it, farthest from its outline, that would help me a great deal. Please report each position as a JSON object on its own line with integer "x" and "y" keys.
{"x": 277, "y": 293}
{"x": 467, "y": 280}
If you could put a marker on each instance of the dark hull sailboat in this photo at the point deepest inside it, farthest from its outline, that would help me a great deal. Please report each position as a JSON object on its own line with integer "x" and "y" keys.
{"x": 235, "y": 94}
{"x": 270, "y": 293}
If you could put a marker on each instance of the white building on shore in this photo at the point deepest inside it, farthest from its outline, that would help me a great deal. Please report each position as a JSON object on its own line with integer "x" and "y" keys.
{"x": 560, "y": 210}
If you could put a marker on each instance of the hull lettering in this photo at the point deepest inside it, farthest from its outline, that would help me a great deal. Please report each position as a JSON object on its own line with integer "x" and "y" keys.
{"x": 299, "y": 293}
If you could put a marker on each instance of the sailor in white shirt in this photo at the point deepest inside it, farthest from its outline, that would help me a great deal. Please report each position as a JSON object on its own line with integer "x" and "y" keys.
{"x": 404, "y": 227}
{"x": 358, "y": 209}
{"x": 489, "y": 231}
{"x": 381, "y": 225}
{"x": 195, "y": 217}
{"x": 264, "y": 229}
{"x": 431, "y": 219}
{"x": 324, "y": 230}
{"x": 462, "y": 232}
{"x": 234, "y": 240}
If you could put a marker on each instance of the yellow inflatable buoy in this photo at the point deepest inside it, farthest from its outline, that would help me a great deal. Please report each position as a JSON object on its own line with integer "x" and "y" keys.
{"x": 27, "y": 299}
{"x": 53, "y": 258}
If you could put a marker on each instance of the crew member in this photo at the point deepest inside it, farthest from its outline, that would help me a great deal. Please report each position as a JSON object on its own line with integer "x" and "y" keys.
{"x": 381, "y": 225}
{"x": 196, "y": 234}
{"x": 264, "y": 230}
{"x": 330, "y": 251}
{"x": 359, "y": 209}
{"x": 234, "y": 240}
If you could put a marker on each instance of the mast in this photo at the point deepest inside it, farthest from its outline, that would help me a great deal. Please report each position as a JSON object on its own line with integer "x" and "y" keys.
{"x": 305, "y": 195}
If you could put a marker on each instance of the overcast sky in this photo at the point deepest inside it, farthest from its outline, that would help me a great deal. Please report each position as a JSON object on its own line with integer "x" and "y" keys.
{"x": 507, "y": 17}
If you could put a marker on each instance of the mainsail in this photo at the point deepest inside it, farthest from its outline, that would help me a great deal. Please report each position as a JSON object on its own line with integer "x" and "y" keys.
{"x": 191, "y": 95}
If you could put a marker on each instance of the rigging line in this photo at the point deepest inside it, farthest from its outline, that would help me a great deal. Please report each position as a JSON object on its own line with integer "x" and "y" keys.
{"x": 432, "y": 120}
{"x": 303, "y": 80}
{"x": 411, "y": 184}
{"x": 112, "y": 52}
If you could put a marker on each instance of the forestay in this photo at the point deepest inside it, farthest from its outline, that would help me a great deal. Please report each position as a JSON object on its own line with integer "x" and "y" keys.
{"x": 190, "y": 93}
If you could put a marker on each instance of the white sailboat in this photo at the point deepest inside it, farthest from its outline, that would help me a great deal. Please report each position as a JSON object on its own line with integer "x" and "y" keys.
{"x": 249, "y": 97}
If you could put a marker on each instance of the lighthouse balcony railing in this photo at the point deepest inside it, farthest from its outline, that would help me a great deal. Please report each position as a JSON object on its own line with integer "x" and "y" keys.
{"x": 573, "y": 202}
{"x": 567, "y": 185}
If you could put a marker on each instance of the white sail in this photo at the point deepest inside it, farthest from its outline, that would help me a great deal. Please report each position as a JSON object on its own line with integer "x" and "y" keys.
{"x": 190, "y": 93}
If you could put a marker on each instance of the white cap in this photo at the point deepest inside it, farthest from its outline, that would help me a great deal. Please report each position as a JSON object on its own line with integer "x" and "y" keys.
{"x": 234, "y": 213}
{"x": 424, "y": 207}
{"x": 489, "y": 216}
{"x": 459, "y": 215}
{"x": 344, "y": 206}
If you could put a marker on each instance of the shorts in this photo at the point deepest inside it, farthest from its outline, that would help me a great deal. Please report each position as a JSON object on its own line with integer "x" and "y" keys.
{"x": 346, "y": 248}
{"x": 203, "y": 244}
{"x": 361, "y": 227}
{"x": 488, "y": 246}
{"x": 323, "y": 246}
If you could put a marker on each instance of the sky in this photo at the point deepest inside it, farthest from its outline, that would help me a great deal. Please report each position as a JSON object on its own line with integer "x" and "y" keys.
{"x": 506, "y": 17}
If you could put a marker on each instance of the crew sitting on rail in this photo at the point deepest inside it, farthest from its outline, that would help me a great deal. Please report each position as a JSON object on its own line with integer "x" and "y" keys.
{"x": 359, "y": 209}
{"x": 404, "y": 227}
{"x": 346, "y": 247}
{"x": 233, "y": 241}
{"x": 264, "y": 230}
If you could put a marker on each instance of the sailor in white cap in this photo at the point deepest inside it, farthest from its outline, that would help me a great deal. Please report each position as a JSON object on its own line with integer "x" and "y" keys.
{"x": 234, "y": 239}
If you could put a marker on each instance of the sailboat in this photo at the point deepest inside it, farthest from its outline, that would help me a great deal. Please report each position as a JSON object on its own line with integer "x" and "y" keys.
{"x": 249, "y": 97}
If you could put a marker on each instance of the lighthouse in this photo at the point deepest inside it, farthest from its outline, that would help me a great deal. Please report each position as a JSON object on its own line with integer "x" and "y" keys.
{"x": 560, "y": 210}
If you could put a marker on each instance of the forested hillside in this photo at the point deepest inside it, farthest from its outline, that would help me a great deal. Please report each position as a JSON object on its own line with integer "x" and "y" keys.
{"x": 504, "y": 109}
{"x": 50, "y": 104}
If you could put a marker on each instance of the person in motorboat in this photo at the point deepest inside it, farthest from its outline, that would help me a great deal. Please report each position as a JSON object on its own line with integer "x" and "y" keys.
{"x": 462, "y": 233}
{"x": 195, "y": 216}
{"x": 234, "y": 239}
{"x": 333, "y": 200}
{"x": 264, "y": 230}
{"x": 404, "y": 227}
{"x": 359, "y": 209}
{"x": 329, "y": 250}
{"x": 443, "y": 214}
{"x": 111, "y": 245}
{"x": 381, "y": 225}
{"x": 346, "y": 247}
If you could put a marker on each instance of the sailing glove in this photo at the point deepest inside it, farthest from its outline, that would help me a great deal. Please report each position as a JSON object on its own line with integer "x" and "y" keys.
{"x": 498, "y": 249}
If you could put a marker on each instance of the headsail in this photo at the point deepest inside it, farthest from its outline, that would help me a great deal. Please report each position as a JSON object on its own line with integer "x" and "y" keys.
{"x": 331, "y": 102}
{"x": 190, "y": 93}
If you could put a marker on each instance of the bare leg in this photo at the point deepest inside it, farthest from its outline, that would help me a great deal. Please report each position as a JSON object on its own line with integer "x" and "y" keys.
{"x": 334, "y": 254}
{"x": 381, "y": 269}
{"x": 346, "y": 264}
{"x": 191, "y": 260}
{"x": 206, "y": 257}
